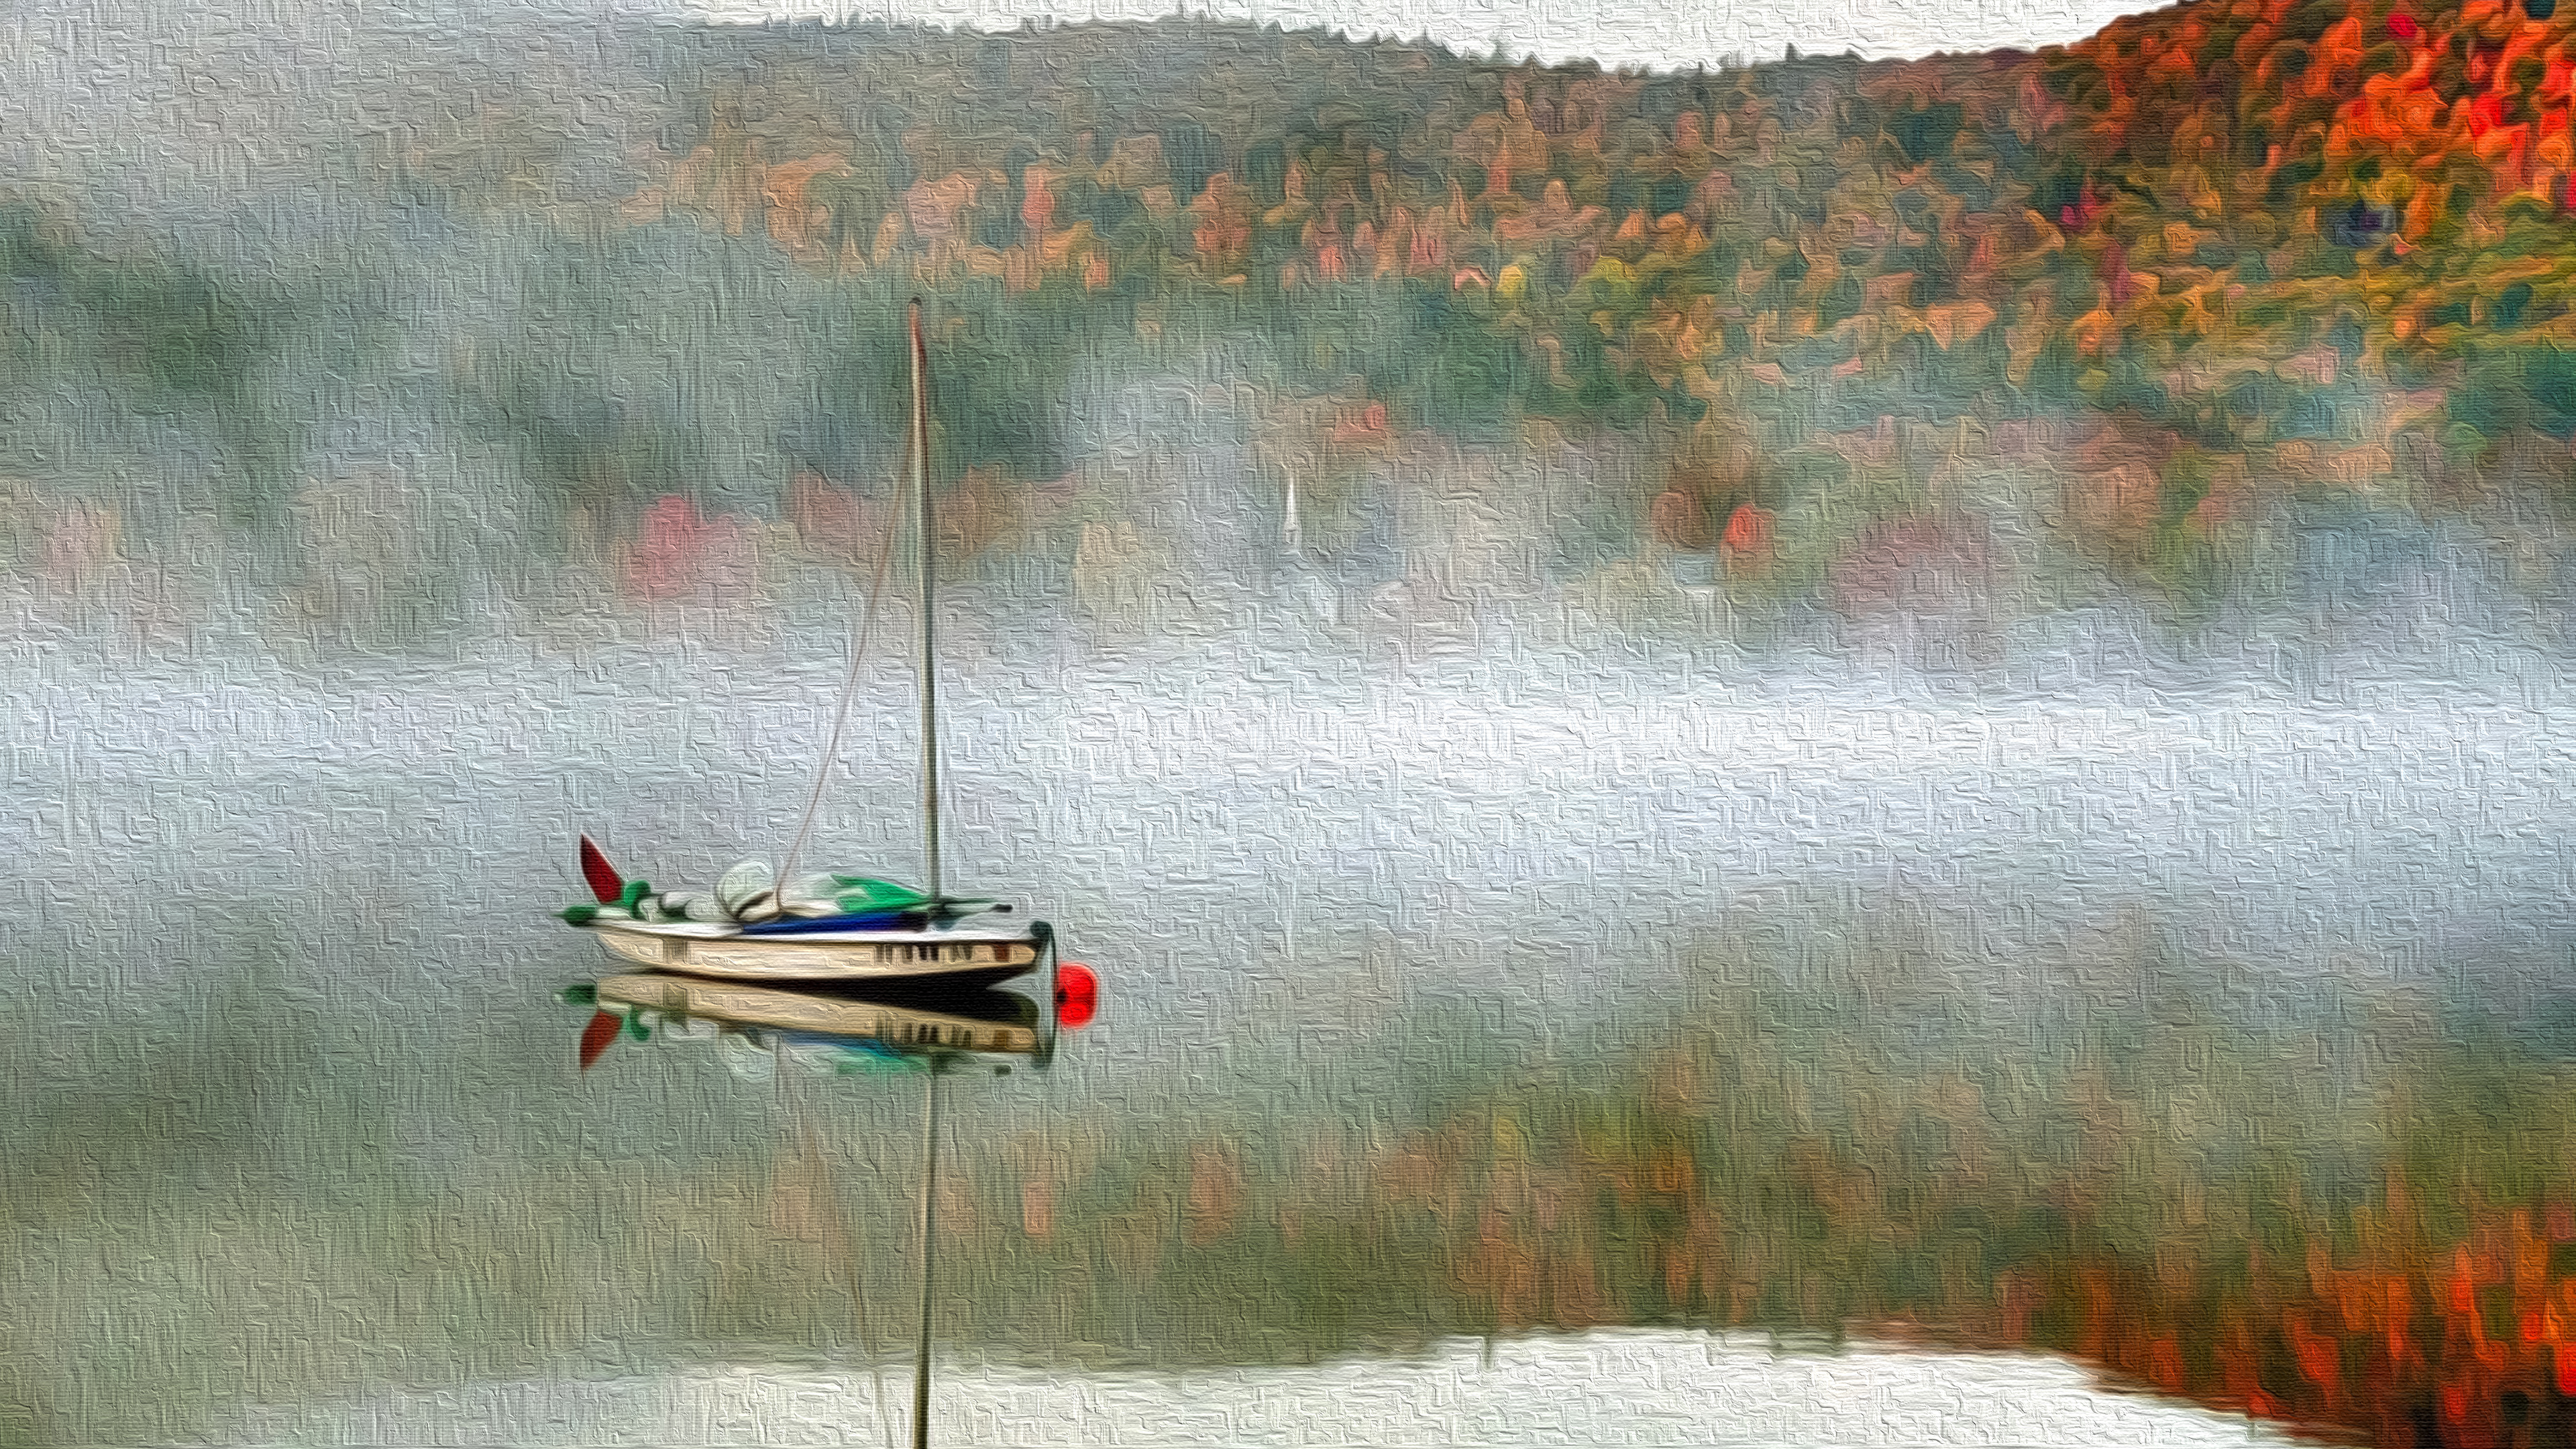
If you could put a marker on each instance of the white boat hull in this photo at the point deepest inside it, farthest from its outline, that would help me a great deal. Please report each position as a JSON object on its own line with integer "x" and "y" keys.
{"x": 894, "y": 956}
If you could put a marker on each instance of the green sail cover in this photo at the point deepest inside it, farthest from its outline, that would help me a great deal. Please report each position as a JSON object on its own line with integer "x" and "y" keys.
{"x": 851, "y": 894}
{"x": 859, "y": 894}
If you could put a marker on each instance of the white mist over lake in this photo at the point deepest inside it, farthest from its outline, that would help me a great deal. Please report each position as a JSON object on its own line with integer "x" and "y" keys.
{"x": 1285, "y": 852}
{"x": 1600, "y": 817}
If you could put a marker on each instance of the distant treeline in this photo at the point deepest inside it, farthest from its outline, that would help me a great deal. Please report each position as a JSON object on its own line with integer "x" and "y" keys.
{"x": 2267, "y": 247}
{"x": 2228, "y": 259}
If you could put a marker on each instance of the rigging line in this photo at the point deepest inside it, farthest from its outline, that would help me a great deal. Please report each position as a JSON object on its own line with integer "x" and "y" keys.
{"x": 840, "y": 712}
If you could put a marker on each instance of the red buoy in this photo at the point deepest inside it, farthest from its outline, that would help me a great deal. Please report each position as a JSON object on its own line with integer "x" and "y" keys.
{"x": 1077, "y": 995}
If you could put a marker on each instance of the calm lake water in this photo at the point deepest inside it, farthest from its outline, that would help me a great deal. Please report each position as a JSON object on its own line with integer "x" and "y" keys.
{"x": 1283, "y": 860}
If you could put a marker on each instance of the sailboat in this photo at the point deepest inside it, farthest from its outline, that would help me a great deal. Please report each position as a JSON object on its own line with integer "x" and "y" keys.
{"x": 830, "y": 927}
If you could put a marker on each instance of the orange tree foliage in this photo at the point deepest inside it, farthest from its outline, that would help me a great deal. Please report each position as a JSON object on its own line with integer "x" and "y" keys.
{"x": 2254, "y": 225}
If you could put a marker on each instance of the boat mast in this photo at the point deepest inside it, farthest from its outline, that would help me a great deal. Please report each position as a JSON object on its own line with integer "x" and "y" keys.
{"x": 929, "y": 565}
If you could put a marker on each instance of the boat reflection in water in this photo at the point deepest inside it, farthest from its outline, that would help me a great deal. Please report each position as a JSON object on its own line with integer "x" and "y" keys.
{"x": 875, "y": 1023}
{"x": 931, "y": 1028}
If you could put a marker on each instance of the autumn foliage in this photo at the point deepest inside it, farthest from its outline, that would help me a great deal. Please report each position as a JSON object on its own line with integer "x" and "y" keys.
{"x": 2308, "y": 243}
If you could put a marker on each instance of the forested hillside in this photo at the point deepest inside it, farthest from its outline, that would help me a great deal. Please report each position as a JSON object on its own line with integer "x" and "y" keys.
{"x": 2174, "y": 290}
{"x": 2227, "y": 249}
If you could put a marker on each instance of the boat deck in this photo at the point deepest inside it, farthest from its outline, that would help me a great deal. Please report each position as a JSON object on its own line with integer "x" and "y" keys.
{"x": 705, "y": 948}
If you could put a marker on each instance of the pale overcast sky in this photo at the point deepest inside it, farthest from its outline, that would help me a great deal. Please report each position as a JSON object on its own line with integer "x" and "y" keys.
{"x": 1662, "y": 34}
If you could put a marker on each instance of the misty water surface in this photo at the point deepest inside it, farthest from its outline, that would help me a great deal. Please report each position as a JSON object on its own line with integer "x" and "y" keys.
{"x": 1291, "y": 859}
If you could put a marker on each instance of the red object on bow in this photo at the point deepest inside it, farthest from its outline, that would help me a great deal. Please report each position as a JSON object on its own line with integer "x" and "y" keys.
{"x": 601, "y": 876}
